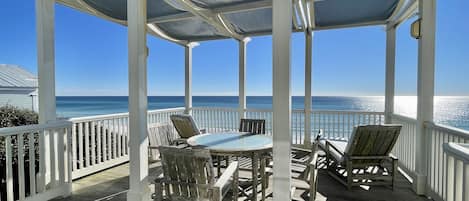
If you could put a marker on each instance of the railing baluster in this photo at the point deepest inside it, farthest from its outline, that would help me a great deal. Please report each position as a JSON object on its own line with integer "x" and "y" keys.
{"x": 119, "y": 135}
{"x": 80, "y": 145}
{"x": 99, "y": 137}
{"x": 60, "y": 156}
{"x": 74, "y": 147}
{"x": 9, "y": 168}
{"x": 87, "y": 144}
{"x": 32, "y": 164}
{"x": 109, "y": 141}
{"x": 93, "y": 143}
{"x": 21, "y": 178}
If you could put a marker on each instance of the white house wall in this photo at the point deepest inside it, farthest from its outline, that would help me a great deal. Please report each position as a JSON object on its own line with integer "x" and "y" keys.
{"x": 21, "y": 99}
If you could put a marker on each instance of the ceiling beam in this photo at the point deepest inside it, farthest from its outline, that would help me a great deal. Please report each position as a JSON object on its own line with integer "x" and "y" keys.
{"x": 217, "y": 20}
{"x": 362, "y": 24}
{"x": 310, "y": 14}
{"x": 298, "y": 5}
{"x": 243, "y": 7}
{"x": 84, "y": 7}
{"x": 404, "y": 12}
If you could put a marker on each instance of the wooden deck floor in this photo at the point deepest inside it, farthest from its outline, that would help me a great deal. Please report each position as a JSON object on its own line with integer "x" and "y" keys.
{"x": 112, "y": 185}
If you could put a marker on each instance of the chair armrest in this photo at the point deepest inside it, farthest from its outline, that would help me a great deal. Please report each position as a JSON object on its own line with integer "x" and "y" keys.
{"x": 301, "y": 149}
{"x": 313, "y": 162}
{"x": 202, "y": 131}
{"x": 372, "y": 157}
{"x": 328, "y": 144}
{"x": 179, "y": 141}
{"x": 231, "y": 171}
{"x": 152, "y": 147}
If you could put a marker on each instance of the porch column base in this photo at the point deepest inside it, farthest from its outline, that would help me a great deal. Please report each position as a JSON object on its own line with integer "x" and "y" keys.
{"x": 419, "y": 184}
{"x": 141, "y": 194}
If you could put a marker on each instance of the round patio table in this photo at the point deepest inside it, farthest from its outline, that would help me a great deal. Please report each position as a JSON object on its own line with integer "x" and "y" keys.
{"x": 238, "y": 144}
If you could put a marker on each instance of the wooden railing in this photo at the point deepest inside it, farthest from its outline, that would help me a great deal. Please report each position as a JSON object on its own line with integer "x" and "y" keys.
{"x": 404, "y": 149}
{"x": 339, "y": 124}
{"x": 334, "y": 124}
{"x": 442, "y": 160}
{"x": 439, "y": 164}
{"x": 100, "y": 142}
{"x": 457, "y": 171}
{"x": 36, "y": 161}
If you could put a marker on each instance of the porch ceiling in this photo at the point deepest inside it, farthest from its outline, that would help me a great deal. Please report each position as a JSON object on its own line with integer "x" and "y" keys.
{"x": 185, "y": 21}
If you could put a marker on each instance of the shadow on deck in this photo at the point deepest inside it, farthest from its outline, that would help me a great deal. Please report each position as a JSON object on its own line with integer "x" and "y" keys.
{"x": 112, "y": 185}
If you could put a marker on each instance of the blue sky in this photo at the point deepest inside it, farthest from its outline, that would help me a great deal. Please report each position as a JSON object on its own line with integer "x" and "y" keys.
{"x": 91, "y": 57}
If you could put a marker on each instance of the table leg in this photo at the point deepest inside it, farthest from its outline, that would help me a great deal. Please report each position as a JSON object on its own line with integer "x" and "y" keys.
{"x": 218, "y": 166}
{"x": 263, "y": 177}
{"x": 255, "y": 160}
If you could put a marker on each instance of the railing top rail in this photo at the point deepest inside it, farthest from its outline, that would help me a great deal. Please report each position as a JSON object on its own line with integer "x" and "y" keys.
{"x": 347, "y": 112}
{"x": 447, "y": 129}
{"x": 459, "y": 150}
{"x": 98, "y": 117}
{"x": 120, "y": 115}
{"x": 215, "y": 108}
{"x": 404, "y": 118}
{"x": 293, "y": 110}
{"x": 34, "y": 127}
{"x": 174, "y": 109}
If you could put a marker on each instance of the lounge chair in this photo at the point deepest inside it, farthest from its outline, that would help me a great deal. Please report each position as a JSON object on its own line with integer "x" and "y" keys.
{"x": 188, "y": 175}
{"x": 365, "y": 158}
{"x": 185, "y": 126}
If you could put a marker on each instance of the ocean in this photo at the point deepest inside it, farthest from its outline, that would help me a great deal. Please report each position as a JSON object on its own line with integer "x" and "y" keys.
{"x": 448, "y": 110}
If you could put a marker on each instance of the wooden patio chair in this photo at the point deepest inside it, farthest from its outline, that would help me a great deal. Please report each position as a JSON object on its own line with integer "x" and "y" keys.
{"x": 185, "y": 126}
{"x": 255, "y": 126}
{"x": 365, "y": 159}
{"x": 308, "y": 178}
{"x": 160, "y": 134}
{"x": 188, "y": 175}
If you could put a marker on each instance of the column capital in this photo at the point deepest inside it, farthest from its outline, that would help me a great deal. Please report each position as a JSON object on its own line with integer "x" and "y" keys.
{"x": 246, "y": 40}
{"x": 192, "y": 44}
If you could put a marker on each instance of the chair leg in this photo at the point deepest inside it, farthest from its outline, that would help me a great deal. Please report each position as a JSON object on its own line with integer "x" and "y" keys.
{"x": 235, "y": 185}
{"x": 349, "y": 175}
{"x": 263, "y": 176}
{"x": 394, "y": 173}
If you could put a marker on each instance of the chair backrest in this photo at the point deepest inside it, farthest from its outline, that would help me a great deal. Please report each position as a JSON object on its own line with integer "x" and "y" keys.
{"x": 255, "y": 126}
{"x": 160, "y": 135}
{"x": 373, "y": 140}
{"x": 189, "y": 173}
{"x": 185, "y": 125}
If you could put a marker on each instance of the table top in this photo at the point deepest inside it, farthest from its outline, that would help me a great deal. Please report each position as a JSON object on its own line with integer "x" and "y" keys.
{"x": 231, "y": 142}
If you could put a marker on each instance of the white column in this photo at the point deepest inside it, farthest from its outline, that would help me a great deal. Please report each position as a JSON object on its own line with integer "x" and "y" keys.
{"x": 282, "y": 28}
{"x": 390, "y": 73}
{"x": 425, "y": 88}
{"x": 45, "y": 13}
{"x": 242, "y": 77}
{"x": 136, "y": 12}
{"x": 308, "y": 82}
{"x": 188, "y": 77}
{"x": 46, "y": 59}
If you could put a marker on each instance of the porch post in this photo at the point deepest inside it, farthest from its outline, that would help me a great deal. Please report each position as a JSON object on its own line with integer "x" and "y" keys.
{"x": 308, "y": 77}
{"x": 425, "y": 88}
{"x": 188, "y": 77}
{"x": 138, "y": 179}
{"x": 281, "y": 47}
{"x": 45, "y": 12}
{"x": 242, "y": 76}
{"x": 390, "y": 73}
